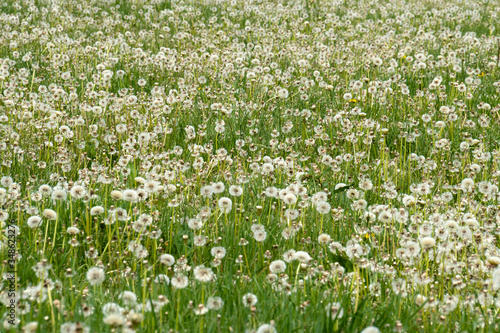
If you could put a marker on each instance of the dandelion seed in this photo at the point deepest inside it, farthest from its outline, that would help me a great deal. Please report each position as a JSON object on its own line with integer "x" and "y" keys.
{"x": 427, "y": 242}
{"x": 218, "y": 188}
{"x": 225, "y": 204}
{"x": 151, "y": 186}
{"x": 495, "y": 278}
{"x": 128, "y": 298}
{"x": 267, "y": 168}
{"x": 206, "y": 191}
{"x": 199, "y": 240}
{"x": 215, "y": 303}
{"x": 96, "y": 210}
{"x": 266, "y": 328}
{"x": 73, "y": 231}
{"x": 377, "y": 61}
{"x": 6, "y": 181}
{"x": 290, "y": 199}
{"x": 34, "y": 222}
{"x": 420, "y": 300}
{"x": 218, "y": 252}
{"x": 200, "y": 310}
{"x": 235, "y": 190}
{"x": 167, "y": 259}
{"x": 323, "y": 207}
{"x": 116, "y": 195}
{"x": 334, "y": 310}
{"x": 203, "y": 274}
{"x": 195, "y": 223}
{"x": 302, "y": 256}
{"x": 130, "y": 195}
{"x": 162, "y": 279}
{"x": 271, "y": 192}
{"x": 179, "y": 281}
{"x": 95, "y": 276}
{"x": 385, "y": 217}
{"x": 59, "y": 195}
{"x": 467, "y": 185}
{"x": 277, "y": 267}
{"x": 77, "y": 192}
{"x": 260, "y": 235}
{"x": 324, "y": 239}
{"x": 249, "y": 299}
{"x": 370, "y": 329}
{"x": 49, "y": 214}
{"x": 114, "y": 320}
{"x": 45, "y": 190}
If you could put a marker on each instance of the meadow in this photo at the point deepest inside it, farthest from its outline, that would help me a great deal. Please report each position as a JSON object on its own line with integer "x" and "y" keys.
{"x": 255, "y": 166}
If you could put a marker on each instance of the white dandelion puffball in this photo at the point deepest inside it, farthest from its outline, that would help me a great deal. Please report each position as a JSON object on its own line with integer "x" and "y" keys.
{"x": 277, "y": 266}
{"x": 370, "y": 329}
{"x": 49, "y": 214}
{"x": 95, "y": 276}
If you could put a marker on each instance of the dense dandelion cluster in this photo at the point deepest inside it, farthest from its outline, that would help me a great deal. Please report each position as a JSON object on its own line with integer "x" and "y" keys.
{"x": 250, "y": 166}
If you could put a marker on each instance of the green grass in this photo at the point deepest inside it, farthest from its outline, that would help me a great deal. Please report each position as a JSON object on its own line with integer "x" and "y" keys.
{"x": 94, "y": 33}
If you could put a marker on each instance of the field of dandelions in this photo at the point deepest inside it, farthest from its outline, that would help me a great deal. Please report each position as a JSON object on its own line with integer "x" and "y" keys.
{"x": 249, "y": 166}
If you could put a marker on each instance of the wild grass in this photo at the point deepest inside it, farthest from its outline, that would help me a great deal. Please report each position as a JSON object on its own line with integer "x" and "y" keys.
{"x": 337, "y": 161}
